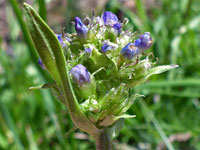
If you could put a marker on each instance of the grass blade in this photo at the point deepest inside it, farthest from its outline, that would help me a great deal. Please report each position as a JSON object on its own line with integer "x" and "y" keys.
{"x": 11, "y": 125}
{"x": 149, "y": 114}
{"x": 170, "y": 83}
{"x": 142, "y": 14}
{"x": 42, "y": 9}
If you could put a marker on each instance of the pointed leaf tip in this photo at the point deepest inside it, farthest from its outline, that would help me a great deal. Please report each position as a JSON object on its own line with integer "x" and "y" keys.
{"x": 174, "y": 66}
{"x": 26, "y": 6}
{"x": 43, "y": 38}
{"x": 160, "y": 69}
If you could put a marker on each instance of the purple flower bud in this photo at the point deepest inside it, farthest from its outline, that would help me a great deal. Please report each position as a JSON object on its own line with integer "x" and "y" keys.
{"x": 59, "y": 36}
{"x": 80, "y": 28}
{"x": 80, "y": 75}
{"x": 88, "y": 50}
{"x": 117, "y": 28}
{"x": 129, "y": 51}
{"x": 109, "y": 18}
{"x": 61, "y": 41}
{"x": 41, "y": 64}
{"x": 105, "y": 47}
{"x": 144, "y": 42}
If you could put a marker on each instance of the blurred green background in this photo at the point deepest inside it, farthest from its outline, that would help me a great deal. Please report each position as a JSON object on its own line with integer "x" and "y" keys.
{"x": 167, "y": 118}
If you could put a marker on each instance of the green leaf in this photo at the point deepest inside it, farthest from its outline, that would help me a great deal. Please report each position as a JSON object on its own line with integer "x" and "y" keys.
{"x": 160, "y": 69}
{"x": 114, "y": 129}
{"x": 148, "y": 114}
{"x": 43, "y": 86}
{"x": 43, "y": 39}
{"x": 54, "y": 88}
{"x": 53, "y": 58}
{"x": 125, "y": 116}
{"x": 71, "y": 131}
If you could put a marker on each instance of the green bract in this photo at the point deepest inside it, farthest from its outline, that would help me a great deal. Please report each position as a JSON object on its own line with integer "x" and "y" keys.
{"x": 102, "y": 102}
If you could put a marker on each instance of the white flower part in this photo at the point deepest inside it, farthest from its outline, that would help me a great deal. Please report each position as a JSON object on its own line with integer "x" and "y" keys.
{"x": 123, "y": 40}
{"x": 94, "y": 102}
{"x": 91, "y": 46}
{"x": 114, "y": 46}
{"x": 99, "y": 20}
{"x": 101, "y": 33}
{"x": 146, "y": 63}
{"x": 93, "y": 105}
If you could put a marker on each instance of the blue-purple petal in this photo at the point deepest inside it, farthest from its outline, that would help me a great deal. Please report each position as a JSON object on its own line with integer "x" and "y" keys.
{"x": 80, "y": 75}
{"x": 117, "y": 28}
{"x": 144, "y": 42}
{"x": 109, "y": 17}
{"x": 129, "y": 51}
{"x": 105, "y": 47}
{"x": 80, "y": 28}
{"x": 88, "y": 50}
{"x": 60, "y": 39}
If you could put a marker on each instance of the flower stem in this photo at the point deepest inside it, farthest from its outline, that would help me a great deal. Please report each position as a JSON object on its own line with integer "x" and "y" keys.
{"x": 103, "y": 140}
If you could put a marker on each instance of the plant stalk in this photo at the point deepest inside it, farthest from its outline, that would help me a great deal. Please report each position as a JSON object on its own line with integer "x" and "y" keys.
{"x": 103, "y": 140}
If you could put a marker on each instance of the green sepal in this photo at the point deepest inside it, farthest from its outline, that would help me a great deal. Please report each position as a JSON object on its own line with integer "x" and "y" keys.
{"x": 112, "y": 101}
{"x": 109, "y": 120}
{"x": 115, "y": 104}
{"x": 98, "y": 60}
{"x": 90, "y": 105}
{"x": 123, "y": 107}
{"x": 116, "y": 127}
{"x": 144, "y": 70}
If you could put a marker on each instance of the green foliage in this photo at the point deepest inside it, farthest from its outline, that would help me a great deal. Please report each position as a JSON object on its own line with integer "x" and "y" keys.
{"x": 172, "y": 98}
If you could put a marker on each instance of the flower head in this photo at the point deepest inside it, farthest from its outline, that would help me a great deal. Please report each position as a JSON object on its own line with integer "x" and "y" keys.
{"x": 129, "y": 51}
{"x": 80, "y": 28}
{"x": 41, "y": 64}
{"x": 144, "y": 42}
{"x": 80, "y": 75}
{"x": 104, "y": 96}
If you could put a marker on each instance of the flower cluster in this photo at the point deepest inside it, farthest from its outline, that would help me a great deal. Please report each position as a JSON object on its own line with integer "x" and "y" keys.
{"x": 94, "y": 70}
{"x": 104, "y": 62}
